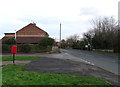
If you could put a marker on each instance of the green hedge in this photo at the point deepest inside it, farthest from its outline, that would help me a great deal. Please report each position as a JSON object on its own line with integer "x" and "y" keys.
{"x": 6, "y": 48}
{"x": 26, "y": 48}
{"x": 37, "y": 48}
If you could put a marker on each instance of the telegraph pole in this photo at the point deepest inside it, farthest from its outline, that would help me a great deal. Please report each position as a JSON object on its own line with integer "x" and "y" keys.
{"x": 60, "y": 32}
{"x": 15, "y": 34}
{"x": 119, "y": 14}
{"x": 60, "y": 35}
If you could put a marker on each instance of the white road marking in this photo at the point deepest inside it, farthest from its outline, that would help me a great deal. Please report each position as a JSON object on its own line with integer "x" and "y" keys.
{"x": 84, "y": 60}
{"x": 88, "y": 62}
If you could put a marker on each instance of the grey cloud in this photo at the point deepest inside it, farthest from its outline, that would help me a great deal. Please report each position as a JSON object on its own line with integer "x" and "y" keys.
{"x": 47, "y": 20}
{"x": 89, "y": 11}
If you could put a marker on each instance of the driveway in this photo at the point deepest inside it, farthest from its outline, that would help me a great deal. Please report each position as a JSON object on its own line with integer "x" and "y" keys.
{"x": 67, "y": 66}
{"x": 65, "y": 62}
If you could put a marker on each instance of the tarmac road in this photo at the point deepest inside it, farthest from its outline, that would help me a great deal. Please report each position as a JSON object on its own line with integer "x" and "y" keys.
{"x": 66, "y": 66}
{"x": 71, "y": 62}
{"x": 106, "y": 61}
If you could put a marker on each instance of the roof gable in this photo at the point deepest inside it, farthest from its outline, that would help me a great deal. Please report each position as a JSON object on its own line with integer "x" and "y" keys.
{"x": 28, "y": 34}
{"x": 31, "y": 29}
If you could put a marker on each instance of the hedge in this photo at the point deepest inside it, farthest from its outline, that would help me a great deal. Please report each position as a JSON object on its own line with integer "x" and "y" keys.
{"x": 6, "y": 48}
{"x": 37, "y": 48}
{"x": 26, "y": 48}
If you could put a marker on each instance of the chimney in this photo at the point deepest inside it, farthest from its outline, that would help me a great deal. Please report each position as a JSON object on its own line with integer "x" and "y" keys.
{"x": 34, "y": 23}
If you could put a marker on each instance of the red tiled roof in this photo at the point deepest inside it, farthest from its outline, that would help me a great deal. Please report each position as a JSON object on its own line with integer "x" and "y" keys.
{"x": 31, "y": 29}
{"x": 28, "y": 34}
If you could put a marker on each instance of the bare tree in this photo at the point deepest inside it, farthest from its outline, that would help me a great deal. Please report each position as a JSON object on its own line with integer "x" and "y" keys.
{"x": 102, "y": 33}
{"x": 72, "y": 40}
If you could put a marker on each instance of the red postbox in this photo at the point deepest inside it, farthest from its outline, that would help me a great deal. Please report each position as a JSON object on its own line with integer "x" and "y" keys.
{"x": 14, "y": 49}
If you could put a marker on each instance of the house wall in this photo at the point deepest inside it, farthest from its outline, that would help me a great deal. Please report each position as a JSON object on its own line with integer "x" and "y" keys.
{"x": 28, "y": 34}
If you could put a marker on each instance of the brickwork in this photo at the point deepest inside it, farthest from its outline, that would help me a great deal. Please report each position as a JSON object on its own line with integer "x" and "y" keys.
{"x": 28, "y": 34}
{"x": 31, "y": 29}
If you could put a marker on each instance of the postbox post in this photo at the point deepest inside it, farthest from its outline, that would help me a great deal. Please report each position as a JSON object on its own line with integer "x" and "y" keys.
{"x": 13, "y": 58}
{"x": 14, "y": 51}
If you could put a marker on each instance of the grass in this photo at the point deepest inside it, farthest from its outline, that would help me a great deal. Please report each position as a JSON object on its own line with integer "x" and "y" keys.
{"x": 103, "y": 52}
{"x": 107, "y": 52}
{"x": 25, "y": 58}
{"x": 15, "y": 75}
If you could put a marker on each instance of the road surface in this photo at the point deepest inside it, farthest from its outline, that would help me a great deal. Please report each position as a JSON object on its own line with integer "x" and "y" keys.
{"x": 63, "y": 66}
{"x": 75, "y": 62}
{"x": 106, "y": 61}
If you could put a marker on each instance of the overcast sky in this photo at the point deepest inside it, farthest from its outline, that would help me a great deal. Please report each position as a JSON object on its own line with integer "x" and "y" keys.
{"x": 74, "y": 15}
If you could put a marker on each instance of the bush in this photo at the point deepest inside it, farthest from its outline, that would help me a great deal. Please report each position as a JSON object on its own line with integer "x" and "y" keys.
{"x": 34, "y": 47}
{"x": 63, "y": 45}
{"x": 37, "y": 48}
{"x": 24, "y": 48}
{"x": 6, "y": 48}
{"x": 10, "y": 41}
{"x": 44, "y": 42}
{"x": 45, "y": 49}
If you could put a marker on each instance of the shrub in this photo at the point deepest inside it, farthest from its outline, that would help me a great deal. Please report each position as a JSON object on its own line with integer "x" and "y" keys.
{"x": 63, "y": 45}
{"x": 44, "y": 42}
{"x": 6, "y": 45}
{"x": 37, "y": 48}
{"x": 6, "y": 48}
{"x": 24, "y": 48}
{"x": 45, "y": 49}
{"x": 10, "y": 41}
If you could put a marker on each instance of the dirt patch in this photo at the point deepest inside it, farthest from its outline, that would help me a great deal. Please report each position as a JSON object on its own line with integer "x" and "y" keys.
{"x": 4, "y": 63}
{"x": 52, "y": 65}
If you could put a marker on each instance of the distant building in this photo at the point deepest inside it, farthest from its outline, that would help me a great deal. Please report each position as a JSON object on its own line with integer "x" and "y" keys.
{"x": 58, "y": 44}
{"x": 29, "y": 34}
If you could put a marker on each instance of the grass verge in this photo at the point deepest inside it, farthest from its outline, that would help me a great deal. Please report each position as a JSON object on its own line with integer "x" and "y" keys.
{"x": 106, "y": 52}
{"x": 24, "y": 58}
{"x": 15, "y": 75}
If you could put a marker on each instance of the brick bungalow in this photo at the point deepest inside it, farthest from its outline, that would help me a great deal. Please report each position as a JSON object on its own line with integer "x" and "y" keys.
{"x": 29, "y": 34}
